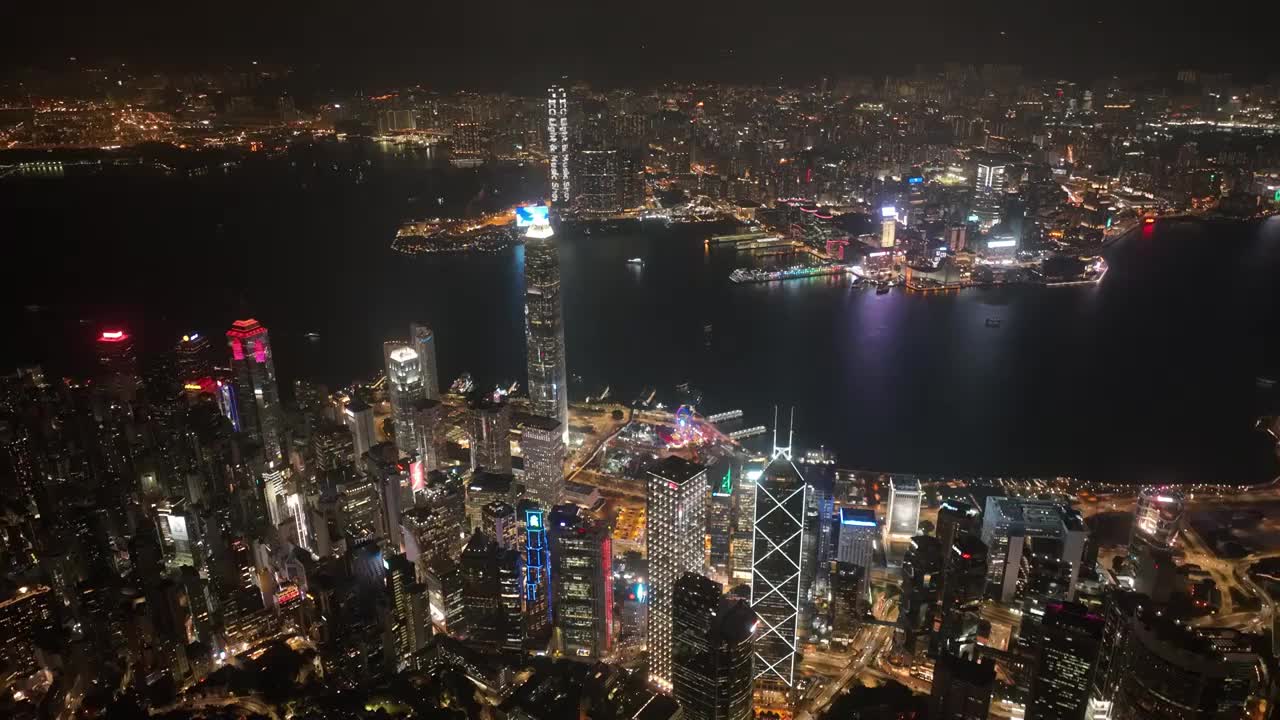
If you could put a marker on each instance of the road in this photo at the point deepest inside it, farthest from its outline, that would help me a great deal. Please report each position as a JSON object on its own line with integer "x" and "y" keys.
{"x": 857, "y": 663}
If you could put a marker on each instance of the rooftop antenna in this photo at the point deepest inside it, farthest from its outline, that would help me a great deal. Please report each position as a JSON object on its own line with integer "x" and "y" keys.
{"x": 783, "y": 452}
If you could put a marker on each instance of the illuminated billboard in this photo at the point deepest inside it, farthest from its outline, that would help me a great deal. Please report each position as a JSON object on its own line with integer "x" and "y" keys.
{"x": 888, "y": 212}
{"x": 530, "y": 214}
{"x": 916, "y": 180}
{"x": 993, "y": 244}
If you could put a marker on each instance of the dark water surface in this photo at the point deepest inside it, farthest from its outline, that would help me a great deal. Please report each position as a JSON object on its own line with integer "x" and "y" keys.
{"x": 1149, "y": 376}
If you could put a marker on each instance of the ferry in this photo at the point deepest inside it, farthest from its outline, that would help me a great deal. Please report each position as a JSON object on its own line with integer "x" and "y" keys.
{"x": 753, "y": 275}
{"x": 636, "y": 261}
{"x": 882, "y": 288}
{"x": 312, "y": 336}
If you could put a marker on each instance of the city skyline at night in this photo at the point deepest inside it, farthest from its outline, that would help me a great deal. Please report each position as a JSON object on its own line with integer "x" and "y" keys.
{"x": 761, "y": 363}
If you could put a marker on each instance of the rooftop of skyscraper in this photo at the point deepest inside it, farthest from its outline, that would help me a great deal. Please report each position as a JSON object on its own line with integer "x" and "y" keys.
{"x": 676, "y": 469}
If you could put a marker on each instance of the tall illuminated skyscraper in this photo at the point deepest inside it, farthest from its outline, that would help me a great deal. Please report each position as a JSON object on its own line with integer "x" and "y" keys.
{"x": 675, "y": 529}
{"x": 423, "y": 340}
{"x": 558, "y": 143}
{"x": 119, "y": 364}
{"x": 988, "y": 192}
{"x": 404, "y": 388}
{"x": 257, "y": 395}
{"x": 582, "y": 583}
{"x": 542, "y": 446}
{"x": 544, "y": 326}
{"x": 775, "y": 571}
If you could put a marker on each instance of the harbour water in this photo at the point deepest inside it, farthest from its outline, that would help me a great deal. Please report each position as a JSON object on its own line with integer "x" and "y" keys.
{"x": 1147, "y": 377}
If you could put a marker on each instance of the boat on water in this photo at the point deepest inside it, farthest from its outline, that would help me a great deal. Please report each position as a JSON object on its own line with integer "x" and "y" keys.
{"x": 753, "y": 275}
{"x": 882, "y": 288}
{"x": 993, "y": 323}
{"x": 312, "y": 336}
{"x": 639, "y": 262}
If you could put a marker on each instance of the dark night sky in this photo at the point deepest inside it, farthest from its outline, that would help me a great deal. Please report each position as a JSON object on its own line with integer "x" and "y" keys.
{"x": 501, "y": 43}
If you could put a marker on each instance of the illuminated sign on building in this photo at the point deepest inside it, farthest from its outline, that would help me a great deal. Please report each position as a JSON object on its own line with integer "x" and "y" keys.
{"x": 915, "y": 180}
{"x": 531, "y": 214}
{"x": 993, "y": 244}
{"x": 888, "y": 212}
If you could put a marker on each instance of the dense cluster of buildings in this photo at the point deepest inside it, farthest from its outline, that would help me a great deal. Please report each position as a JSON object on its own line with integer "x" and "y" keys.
{"x": 174, "y": 513}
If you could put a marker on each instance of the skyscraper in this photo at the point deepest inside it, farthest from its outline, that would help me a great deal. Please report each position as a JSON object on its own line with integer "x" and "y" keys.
{"x": 1151, "y": 667}
{"x": 711, "y": 651}
{"x": 902, "y": 521}
{"x": 257, "y": 396}
{"x": 423, "y": 340}
{"x": 776, "y": 569}
{"x": 848, "y": 599}
{"x": 404, "y": 388}
{"x": 1069, "y": 637}
{"x": 489, "y": 433}
{"x": 359, "y": 419}
{"x": 988, "y": 192}
{"x": 675, "y": 528}
{"x": 194, "y": 359}
{"x": 119, "y": 364}
{"x": 582, "y": 583}
{"x": 858, "y": 534}
{"x": 429, "y": 435}
{"x": 537, "y": 575}
{"x": 558, "y": 144}
{"x": 1015, "y": 527}
{"x": 598, "y": 182}
{"x": 961, "y": 689}
{"x": 963, "y": 581}
{"x": 544, "y": 326}
{"x": 542, "y": 446}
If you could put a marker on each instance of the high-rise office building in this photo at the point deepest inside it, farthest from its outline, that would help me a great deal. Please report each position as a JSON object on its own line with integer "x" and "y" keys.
{"x": 1014, "y": 527}
{"x": 429, "y": 434}
{"x": 118, "y": 364}
{"x": 257, "y": 395}
{"x": 537, "y": 575}
{"x": 194, "y": 357}
{"x": 1157, "y": 519}
{"x": 489, "y": 431}
{"x": 777, "y": 565}
{"x": 849, "y": 599}
{"x": 711, "y": 657}
{"x": 1151, "y": 667}
{"x": 955, "y": 517}
{"x": 481, "y": 592}
{"x": 964, "y": 577}
{"x": 484, "y": 487}
{"x": 542, "y": 447}
{"x": 888, "y": 227}
{"x": 404, "y": 388}
{"x": 921, "y": 579}
{"x": 582, "y": 583}
{"x": 961, "y": 689}
{"x": 423, "y": 340}
{"x": 26, "y": 612}
{"x": 544, "y": 326}
{"x": 558, "y": 144}
{"x": 597, "y": 181}
{"x": 857, "y": 543}
{"x": 359, "y": 418}
{"x": 720, "y": 518}
{"x": 675, "y": 528}
{"x": 902, "y": 521}
{"x": 498, "y": 521}
{"x": 988, "y": 192}
{"x": 1069, "y": 636}
{"x": 410, "y": 609}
